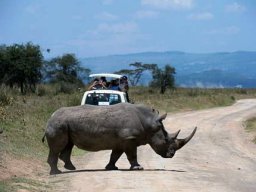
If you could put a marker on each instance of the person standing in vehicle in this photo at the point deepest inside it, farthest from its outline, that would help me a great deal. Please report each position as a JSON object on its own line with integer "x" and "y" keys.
{"x": 124, "y": 86}
{"x": 98, "y": 84}
{"x": 114, "y": 85}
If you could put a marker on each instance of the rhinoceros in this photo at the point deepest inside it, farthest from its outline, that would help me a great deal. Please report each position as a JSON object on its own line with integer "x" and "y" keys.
{"x": 120, "y": 128}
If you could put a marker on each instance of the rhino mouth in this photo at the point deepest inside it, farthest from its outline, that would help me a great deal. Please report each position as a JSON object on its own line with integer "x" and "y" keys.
{"x": 168, "y": 155}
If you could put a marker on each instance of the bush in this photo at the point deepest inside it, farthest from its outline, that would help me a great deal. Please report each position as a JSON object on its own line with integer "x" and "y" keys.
{"x": 74, "y": 99}
{"x": 3, "y": 114}
{"x": 241, "y": 91}
{"x": 193, "y": 92}
{"x": 41, "y": 90}
{"x": 67, "y": 88}
{"x": 64, "y": 87}
{"x": 5, "y": 96}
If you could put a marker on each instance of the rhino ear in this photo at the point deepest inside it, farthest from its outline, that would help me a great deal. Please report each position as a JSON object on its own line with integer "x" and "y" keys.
{"x": 161, "y": 118}
{"x": 155, "y": 111}
{"x": 157, "y": 122}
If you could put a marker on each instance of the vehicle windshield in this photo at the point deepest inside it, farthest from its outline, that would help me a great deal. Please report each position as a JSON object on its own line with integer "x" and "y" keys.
{"x": 102, "y": 99}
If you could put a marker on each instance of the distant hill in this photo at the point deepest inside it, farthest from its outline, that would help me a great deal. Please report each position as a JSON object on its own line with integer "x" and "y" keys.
{"x": 223, "y": 69}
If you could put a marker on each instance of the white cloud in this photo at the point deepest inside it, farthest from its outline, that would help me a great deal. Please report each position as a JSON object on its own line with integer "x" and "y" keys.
{"x": 168, "y": 4}
{"x": 128, "y": 27}
{"x": 107, "y": 2}
{"x": 107, "y": 16}
{"x": 201, "y": 16}
{"x": 235, "y": 7}
{"x": 146, "y": 14}
{"x": 33, "y": 9}
{"x": 106, "y": 44}
{"x": 77, "y": 42}
{"x": 200, "y": 84}
{"x": 77, "y": 17}
{"x": 230, "y": 30}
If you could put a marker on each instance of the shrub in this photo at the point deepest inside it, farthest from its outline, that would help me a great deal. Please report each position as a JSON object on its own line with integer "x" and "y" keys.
{"x": 193, "y": 92}
{"x": 232, "y": 98}
{"x": 5, "y": 96}
{"x": 74, "y": 100}
{"x": 3, "y": 114}
{"x": 64, "y": 87}
{"x": 241, "y": 91}
{"x": 41, "y": 90}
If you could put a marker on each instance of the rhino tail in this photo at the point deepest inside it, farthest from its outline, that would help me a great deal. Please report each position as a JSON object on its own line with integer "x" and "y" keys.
{"x": 43, "y": 138}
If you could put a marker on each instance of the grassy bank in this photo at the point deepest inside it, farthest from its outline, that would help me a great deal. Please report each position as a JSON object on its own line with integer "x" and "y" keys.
{"x": 23, "y": 118}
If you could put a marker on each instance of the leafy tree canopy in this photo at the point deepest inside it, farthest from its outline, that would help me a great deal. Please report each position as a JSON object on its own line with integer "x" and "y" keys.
{"x": 65, "y": 69}
{"x": 136, "y": 72}
{"x": 21, "y": 65}
{"x": 163, "y": 78}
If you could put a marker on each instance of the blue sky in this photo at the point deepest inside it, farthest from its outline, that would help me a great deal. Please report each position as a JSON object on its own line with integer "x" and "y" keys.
{"x": 90, "y": 28}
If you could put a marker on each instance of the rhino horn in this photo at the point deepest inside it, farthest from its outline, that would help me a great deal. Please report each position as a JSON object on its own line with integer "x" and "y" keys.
{"x": 181, "y": 142}
{"x": 162, "y": 117}
{"x": 174, "y": 135}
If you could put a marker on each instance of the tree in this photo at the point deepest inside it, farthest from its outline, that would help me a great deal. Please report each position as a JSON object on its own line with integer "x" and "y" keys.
{"x": 65, "y": 69}
{"x": 3, "y": 63}
{"x": 135, "y": 74}
{"x": 22, "y": 65}
{"x": 163, "y": 78}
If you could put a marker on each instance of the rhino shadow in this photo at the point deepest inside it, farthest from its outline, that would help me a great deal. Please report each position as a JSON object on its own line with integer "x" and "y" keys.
{"x": 104, "y": 170}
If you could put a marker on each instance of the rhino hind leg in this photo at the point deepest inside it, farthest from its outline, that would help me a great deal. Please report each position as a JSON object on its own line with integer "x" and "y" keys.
{"x": 65, "y": 155}
{"x": 115, "y": 155}
{"x": 57, "y": 143}
{"x": 52, "y": 161}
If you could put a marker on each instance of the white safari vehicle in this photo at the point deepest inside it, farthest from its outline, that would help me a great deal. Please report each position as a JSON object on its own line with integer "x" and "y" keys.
{"x": 104, "y": 96}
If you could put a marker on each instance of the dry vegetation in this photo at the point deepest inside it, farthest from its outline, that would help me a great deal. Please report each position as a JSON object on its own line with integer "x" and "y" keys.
{"x": 190, "y": 98}
{"x": 251, "y": 127}
{"x": 23, "y": 119}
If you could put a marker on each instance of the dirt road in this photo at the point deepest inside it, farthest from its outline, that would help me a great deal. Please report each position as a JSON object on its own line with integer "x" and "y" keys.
{"x": 220, "y": 157}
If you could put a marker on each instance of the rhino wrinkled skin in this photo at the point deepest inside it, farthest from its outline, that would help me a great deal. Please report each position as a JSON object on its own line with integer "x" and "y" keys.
{"x": 120, "y": 128}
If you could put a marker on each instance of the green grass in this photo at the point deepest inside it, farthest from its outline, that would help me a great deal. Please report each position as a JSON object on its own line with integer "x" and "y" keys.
{"x": 251, "y": 127}
{"x": 24, "y": 121}
{"x": 23, "y": 117}
{"x": 188, "y": 99}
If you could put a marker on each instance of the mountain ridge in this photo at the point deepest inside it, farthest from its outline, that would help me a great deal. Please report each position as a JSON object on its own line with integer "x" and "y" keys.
{"x": 238, "y": 63}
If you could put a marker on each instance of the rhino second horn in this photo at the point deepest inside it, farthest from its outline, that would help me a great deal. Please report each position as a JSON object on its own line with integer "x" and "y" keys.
{"x": 174, "y": 135}
{"x": 181, "y": 142}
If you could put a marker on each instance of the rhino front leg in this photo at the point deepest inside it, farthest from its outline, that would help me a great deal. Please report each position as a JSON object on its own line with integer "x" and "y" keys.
{"x": 115, "y": 155}
{"x": 131, "y": 154}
